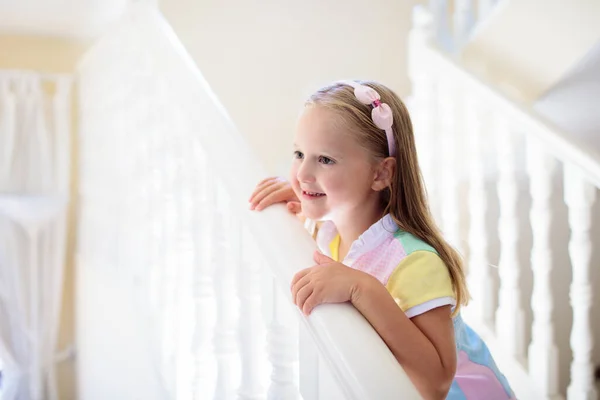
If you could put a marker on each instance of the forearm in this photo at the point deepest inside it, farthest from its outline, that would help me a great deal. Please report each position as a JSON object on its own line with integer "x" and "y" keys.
{"x": 413, "y": 350}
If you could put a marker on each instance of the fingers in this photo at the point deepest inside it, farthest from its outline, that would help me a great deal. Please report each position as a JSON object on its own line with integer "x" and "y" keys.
{"x": 303, "y": 294}
{"x": 270, "y": 178}
{"x": 270, "y": 191}
{"x": 259, "y": 187}
{"x": 265, "y": 183}
{"x": 311, "y": 302}
{"x": 273, "y": 194}
{"x": 301, "y": 287}
{"x": 299, "y": 275}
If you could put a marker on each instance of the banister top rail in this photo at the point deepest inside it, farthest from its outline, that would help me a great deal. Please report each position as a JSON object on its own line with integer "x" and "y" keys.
{"x": 565, "y": 147}
{"x": 358, "y": 358}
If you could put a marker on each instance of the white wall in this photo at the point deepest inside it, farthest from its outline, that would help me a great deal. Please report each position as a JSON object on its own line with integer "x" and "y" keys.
{"x": 263, "y": 58}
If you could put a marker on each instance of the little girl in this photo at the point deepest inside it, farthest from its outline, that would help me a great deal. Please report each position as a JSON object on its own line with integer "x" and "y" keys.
{"x": 355, "y": 170}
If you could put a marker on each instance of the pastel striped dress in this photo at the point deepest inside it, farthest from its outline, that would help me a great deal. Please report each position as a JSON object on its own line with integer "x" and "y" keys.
{"x": 417, "y": 278}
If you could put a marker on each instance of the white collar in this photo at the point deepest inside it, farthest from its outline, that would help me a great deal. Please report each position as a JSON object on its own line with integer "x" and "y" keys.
{"x": 371, "y": 238}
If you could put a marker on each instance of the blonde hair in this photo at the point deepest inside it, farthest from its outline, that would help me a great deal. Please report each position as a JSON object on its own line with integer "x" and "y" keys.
{"x": 406, "y": 199}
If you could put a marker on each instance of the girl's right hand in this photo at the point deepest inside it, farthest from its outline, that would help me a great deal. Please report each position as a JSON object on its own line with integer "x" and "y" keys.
{"x": 274, "y": 190}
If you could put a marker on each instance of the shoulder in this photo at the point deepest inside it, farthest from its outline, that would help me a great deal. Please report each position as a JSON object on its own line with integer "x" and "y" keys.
{"x": 411, "y": 243}
{"x": 420, "y": 267}
{"x": 421, "y": 281}
{"x": 325, "y": 233}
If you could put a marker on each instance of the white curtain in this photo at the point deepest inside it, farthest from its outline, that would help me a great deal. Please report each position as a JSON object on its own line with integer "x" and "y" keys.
{"x": 34, "y": 191}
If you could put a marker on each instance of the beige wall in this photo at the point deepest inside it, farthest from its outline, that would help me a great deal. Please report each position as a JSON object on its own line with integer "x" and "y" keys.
{"x": 57, "y": 56}
{"x": 39, "y": 53}
{"x": 263, "y": 58}
{"x": 560, "y": 33}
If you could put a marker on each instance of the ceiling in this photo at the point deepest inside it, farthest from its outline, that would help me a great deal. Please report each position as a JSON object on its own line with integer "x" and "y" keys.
{"x": 572, "y": 104}
{"x": 63, "y": 18}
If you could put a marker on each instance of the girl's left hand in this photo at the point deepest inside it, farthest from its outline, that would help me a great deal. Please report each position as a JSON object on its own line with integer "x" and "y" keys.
{"x": 327, "y": 282}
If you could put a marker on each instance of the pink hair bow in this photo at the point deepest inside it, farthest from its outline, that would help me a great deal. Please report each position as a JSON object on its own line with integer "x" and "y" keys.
{"x": 381, "y": 113}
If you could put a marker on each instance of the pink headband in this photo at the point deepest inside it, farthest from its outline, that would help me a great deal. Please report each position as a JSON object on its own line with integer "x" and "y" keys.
{"x": 381, "y": 113}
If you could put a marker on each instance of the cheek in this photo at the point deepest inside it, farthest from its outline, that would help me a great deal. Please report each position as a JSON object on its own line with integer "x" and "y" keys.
{"x": 342, "y": 180}
{"x": 349, "y": 183}
{"x": 293, "y": 178}
{"x": 335, "y": 185}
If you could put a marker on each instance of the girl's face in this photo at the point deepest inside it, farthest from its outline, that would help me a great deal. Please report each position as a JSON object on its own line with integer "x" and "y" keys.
{"x": 332, "y": 174}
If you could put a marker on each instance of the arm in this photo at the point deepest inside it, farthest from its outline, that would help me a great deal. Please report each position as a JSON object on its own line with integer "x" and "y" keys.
{"x": 423, "y": 345}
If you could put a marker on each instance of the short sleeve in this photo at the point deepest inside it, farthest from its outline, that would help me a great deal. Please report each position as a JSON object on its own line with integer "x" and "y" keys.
{"x": 420, "y": 283}
{"x": 326, "y": 232}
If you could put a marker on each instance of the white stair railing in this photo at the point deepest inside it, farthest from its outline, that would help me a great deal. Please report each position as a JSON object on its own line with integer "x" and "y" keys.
{"x": 157, "y": 149}
{"x": 511, "y": 148}
{"x": 456, "y": 20}
{"x": 252, "y": 338}
{"x": 543, "y": 351}
{"x": 580, "y": 195}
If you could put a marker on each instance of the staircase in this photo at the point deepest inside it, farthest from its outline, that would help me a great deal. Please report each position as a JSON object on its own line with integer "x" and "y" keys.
{"x": 516, "y": 195}
{"x": 169, "y": 220}
{"x": 198, "y": 286}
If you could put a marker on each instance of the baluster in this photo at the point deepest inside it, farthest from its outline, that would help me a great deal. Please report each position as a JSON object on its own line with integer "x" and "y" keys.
{"x": 61, "y": 103}
{"x": 55, "y": 298}
{"x": 251, "y": 322}
{"x": 543, "y": 352}
{"x": 580, "y": 196}
{"x": 156, "y": 191}
{"x": 34, "y": 215}
{"x": 282, "y": 345}
{"x": 309, "y": 366}
{"x": 170, "y": 284}
{"x": 464, "y": 19}
{"x": 449, "y": 143}
{"x": 202, "y": 283}
{"x": 480, "y": 279}
{"x": 9, "y": 134}
{"x": 225, "y": 330}
{"x": 424, "y": 105}
{"x": 40, "y": 148}
{"x": 141, "y": 167}
{"x": 62, "y": 120}
{"x": 424, "y": 114}
{"x": 441, "y": 22}
{"x": 23, "y": 104}
{"x": 186, "y": 179}
{"x": 510, "y": 318}
{"x": 484, "y": 7}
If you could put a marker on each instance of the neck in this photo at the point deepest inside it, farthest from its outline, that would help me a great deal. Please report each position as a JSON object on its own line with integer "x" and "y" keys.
{"x": 354, "y": 223}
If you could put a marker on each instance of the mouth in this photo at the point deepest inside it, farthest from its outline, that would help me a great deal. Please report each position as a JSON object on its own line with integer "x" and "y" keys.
{"x": 312, "y": 195}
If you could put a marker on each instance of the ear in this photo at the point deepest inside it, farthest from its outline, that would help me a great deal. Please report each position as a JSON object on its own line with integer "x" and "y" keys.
{"x": 384, "y": 172}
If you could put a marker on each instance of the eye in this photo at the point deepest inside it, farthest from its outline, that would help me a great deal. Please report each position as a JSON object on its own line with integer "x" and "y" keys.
{"x": 298, "y": 154}
{"x": 326, "y": 160}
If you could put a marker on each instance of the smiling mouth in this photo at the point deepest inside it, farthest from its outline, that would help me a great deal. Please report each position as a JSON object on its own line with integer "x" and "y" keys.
{"x": 312, "y": 194}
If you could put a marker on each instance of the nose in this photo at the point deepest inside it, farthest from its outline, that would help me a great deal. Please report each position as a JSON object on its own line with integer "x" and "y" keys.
{"x": 305, "y": 173}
